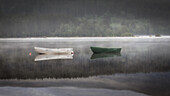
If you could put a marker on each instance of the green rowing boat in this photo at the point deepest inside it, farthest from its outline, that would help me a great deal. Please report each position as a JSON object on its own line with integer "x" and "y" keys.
{"x": 105, "y": 50}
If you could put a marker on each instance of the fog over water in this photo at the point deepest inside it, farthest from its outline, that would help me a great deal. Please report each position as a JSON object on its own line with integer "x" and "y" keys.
{"x": 142, "y": 66}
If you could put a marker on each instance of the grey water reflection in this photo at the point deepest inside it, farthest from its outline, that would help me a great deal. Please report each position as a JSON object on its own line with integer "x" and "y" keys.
{"x": 141, "y": 66}
{"x": 16, "y": 63}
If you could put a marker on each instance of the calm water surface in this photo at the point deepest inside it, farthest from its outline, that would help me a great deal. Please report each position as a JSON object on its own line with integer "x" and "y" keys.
{"x": 142, "y": 68}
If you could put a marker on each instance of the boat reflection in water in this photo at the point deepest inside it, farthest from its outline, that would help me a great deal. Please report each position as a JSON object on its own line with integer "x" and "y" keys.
{"x": 105, "y": 55}
{"x": 53, "y": 57}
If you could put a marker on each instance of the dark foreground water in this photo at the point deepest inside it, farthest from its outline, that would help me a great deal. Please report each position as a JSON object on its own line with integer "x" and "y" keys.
{"x": 142, "y": 68}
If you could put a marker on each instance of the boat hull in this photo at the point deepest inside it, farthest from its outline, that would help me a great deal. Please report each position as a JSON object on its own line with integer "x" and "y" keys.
{"x": 105, "y": 50}
{"x": 54, "y": 51}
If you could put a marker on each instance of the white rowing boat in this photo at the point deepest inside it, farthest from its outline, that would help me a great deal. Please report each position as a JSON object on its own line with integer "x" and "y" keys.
{"x": 53, "y": 57}
{"x": 54, "y": 51}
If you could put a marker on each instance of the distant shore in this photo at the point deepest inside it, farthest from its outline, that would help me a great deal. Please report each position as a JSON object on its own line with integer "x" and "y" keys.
{"x": 84, "y": 39}
{"x": 89, "y": 37}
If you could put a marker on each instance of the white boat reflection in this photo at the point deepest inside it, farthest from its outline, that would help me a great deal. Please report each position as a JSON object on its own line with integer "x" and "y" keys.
{"x": 53, "y": 56}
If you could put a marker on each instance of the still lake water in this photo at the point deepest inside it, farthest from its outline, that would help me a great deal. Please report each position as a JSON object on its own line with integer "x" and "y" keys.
{"x": 142, "y": 68}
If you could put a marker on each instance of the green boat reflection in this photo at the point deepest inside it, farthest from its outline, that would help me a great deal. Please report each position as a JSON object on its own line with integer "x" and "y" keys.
{"x": 105, "y": 55}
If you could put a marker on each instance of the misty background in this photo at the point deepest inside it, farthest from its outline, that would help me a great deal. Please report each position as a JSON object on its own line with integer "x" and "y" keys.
{"x": 73, "y": 18}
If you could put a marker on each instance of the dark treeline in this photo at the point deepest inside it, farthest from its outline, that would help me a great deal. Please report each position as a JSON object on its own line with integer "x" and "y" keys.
{"x": 35, "y": 18}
